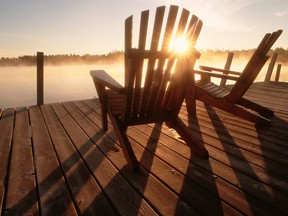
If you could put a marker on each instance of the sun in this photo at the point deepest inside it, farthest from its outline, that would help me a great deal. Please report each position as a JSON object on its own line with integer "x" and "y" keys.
{"x": 180, "y": 45}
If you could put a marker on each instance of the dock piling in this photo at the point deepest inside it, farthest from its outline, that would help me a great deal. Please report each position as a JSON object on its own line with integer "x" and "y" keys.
{"x": 40, "y": 78}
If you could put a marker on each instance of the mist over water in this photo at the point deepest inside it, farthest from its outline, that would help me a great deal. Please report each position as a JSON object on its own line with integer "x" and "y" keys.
{"x": 61, "y": 83}
{"x": 73, "y": 82}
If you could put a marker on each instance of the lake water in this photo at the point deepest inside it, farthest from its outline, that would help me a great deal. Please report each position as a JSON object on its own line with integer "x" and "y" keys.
{"x": 64, "y": 83}
{"x": 61, "y": 83}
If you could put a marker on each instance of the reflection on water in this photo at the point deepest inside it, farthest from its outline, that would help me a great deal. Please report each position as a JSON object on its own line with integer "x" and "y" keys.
{"x": 61, "y": 83}
{"x": 72, "y": 82}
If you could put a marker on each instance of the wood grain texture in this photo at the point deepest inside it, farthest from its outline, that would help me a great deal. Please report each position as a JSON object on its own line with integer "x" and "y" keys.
{"x": 81, "y": 170}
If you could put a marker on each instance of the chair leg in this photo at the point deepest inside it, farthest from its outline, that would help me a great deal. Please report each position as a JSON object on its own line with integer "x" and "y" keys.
{"x": 125, "y": 144}
{"x": 103, "y": 101}
{"x": 190, "y": 105}
{"x": 188, "y": 137}
{"x": 104, "y": 117}
{"x": 190, "y": 98}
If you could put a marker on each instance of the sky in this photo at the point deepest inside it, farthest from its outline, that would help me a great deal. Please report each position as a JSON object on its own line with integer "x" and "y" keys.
{"x": 97, "y": 27}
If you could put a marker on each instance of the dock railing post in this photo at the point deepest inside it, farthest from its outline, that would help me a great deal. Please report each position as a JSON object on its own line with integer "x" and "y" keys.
{"x": 278, "y": 72}
{"x": 227, "y": 67}
{"x": 40, "y": 78}
{"x": 271, "y": 67}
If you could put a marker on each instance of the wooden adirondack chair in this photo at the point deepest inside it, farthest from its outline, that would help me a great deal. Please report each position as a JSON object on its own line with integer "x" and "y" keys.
{"x": 155, "y": 79}
{"x": 232, "y": 100}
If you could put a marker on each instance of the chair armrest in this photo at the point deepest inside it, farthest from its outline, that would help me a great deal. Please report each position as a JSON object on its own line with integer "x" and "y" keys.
{"x": 207, "y": 68}
{"x": 103, "y": 78}
{"x": 211, "y": 74}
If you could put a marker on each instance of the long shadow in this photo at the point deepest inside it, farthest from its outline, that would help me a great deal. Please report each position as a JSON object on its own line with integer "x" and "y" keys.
{"x": 277, "y": 172}
{"x": 146, "y": 160}
{"x": 57, "y": 203}
{"x": 124, "y": 175}
{"x": 132, "y": 199}
{"x": 216, "y": 206}
{"x": 58, "y": 207}
{"x": 234, "y": 160}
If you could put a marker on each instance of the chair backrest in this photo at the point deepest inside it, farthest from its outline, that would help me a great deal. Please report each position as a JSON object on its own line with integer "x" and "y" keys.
{"x": 155, "y": 78}
{"x": 253, "y": 67}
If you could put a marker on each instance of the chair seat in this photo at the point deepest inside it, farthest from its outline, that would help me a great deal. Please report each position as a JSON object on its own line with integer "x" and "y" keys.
{"x": 212, "y": 89}
{"x": 232, "y": 100}
{"x": 116, "y": 103}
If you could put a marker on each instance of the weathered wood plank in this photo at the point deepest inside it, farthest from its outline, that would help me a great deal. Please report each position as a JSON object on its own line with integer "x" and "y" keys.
{"x": 83, "y": 187}
{"x": 245, "y": 174}
{"x": 190, "y": 191}
{"x": 254, "y": 179}
{"x": 54, "y": 195}
{"x": 163, "y": 199}
{"x": 257, "y": 207}
{"x": 122, "y": 195}
{"x": 87, "y": 151}
{"x": 6, "y": 128}
{"x": 21, "y": 192}
{"x": 245, "y": 132}
{"x": 193, "y": 195}
{"x": 234, "y": 197}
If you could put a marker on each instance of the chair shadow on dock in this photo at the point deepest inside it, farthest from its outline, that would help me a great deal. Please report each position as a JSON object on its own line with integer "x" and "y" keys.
{"x": 200, "y": 184}
{"x": 126, "y": 197}
{"x": 79, "y": 169}
{"x": 157, "y": 152}
{"x": 57, "y": 200}
{"x": 246, "y": 167}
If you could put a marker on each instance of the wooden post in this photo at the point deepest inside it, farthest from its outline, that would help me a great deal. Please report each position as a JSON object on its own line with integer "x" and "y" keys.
{"x": 271, "y": 66}
{"x": 278, "y": 72}
{"x": 40, "y": 78}
{"x": 227, "y": 67}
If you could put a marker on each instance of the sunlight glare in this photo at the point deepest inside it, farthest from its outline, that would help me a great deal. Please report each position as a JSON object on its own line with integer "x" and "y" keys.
{"x": 181, "y": 45}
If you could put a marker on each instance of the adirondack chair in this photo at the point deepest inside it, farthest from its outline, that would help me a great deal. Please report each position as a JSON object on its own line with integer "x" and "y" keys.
{"x": 232, "y": 100}
{"x": 155, "y": 79}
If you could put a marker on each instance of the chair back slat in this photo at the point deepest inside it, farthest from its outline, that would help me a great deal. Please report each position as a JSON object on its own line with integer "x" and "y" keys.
{"x": 164, "y": 77}
{"x": 194, "y": 29}
{"x": 160, "y": 73}
{"x": 185, "y": 78}
{"x": 253, "y": 67}
{"x": 138, "y": 69}
{"x": 150, "y": 90}
{"x": 152, "y": 63}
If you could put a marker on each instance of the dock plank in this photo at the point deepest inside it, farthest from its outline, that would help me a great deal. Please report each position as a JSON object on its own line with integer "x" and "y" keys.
{"x": 54, "y": 195}
{"x": 157, "y": 194}
{"x": 88, "y": 150}
{"x": 82, "y": 186}
{"x": 21, "y": 192}
{"x": 56, "y": 160}
{"x": 211, "y": 175}
{"x": 194, "y": 195}
{"x": 6, "y": 128}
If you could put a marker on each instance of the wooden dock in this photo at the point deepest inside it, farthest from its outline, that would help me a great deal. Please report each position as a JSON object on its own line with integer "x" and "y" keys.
{"x": 55, "y": 160}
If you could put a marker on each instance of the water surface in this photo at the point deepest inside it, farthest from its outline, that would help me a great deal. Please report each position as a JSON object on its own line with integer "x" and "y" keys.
{"x": 61, "y": 83}
{"x": 73, "y": 82}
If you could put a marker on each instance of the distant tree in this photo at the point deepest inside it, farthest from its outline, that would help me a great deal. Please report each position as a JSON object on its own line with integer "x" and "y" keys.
{"x": 116, "y": 55}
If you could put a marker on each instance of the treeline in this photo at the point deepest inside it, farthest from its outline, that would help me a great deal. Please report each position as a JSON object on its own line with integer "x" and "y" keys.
{"x": 244, "y": 54}
{"x": 28, "y": 60}
{"x": 117, "y": 56}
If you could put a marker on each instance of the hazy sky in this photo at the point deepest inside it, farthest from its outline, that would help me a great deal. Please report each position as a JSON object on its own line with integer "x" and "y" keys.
{"x": 97, "y": 27}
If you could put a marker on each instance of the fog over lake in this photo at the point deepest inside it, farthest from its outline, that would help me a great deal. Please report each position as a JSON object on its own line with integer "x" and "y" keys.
{"x": 61, "y": 83}
{"x": 72, "y": 82}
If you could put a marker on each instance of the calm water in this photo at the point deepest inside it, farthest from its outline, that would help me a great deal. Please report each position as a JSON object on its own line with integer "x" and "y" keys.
{"x": 67, "y": 83}
{"x": 61, "y": 83}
